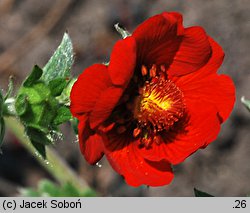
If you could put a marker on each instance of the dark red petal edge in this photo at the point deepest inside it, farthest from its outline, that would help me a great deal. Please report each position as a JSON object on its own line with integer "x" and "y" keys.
{"x": 122, "y": 61}
{"x": 87, "y": 89}
{"x": 157, "y": 40}
{"x": 104, "y": 105}
{"x": 124, "y": 158}
{"x": 193, "y": 53}
{"x": 91, "y": 144}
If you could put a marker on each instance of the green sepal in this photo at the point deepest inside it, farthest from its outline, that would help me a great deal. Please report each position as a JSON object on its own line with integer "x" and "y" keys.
{"x": 21, "y": 104}
{"x": 41, "y": 108}
{"x": 40, "y": 148}
{"x": 37, "y": 93}
{"x": 10, "y": 88}
{"x": 74, "y": 124}
{"x": 57, "y": 85}
{"x": 68, "y": 88}
{"x": 34, "y": 76}
{"x": 199, "y": 193}
{"x": 246, "y": 103}
{"x": 61, "y": 62}
{"x": 38, "y": 102}
{"x": 65, "y": 95}
{"x": 38, "y": 135}
{"x": 63, "y": 115}
{"x": 123, "y": 32}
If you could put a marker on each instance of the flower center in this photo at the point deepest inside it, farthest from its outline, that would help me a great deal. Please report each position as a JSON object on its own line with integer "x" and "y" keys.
{"x": 159, "y": 105}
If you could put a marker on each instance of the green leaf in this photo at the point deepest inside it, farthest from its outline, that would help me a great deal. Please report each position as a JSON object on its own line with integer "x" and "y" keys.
{"x": 21, "y": 104}
{"x": 47, "y": 188}
{"x": 199, "y": 193}
{"x": 29, "y": 192}
{"x": 61, "y": 62}
{"x": 57, "y": 86}
{"x": 88, "y": 193}
{"x": 70, "y": 191}
{"x": 246, "y": 103}
{"x": 63, "y": 115}
{"x": 34, "y": 76}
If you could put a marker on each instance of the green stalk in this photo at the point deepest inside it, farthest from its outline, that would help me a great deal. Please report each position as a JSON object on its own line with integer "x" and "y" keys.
{"x": 54, "y": 164}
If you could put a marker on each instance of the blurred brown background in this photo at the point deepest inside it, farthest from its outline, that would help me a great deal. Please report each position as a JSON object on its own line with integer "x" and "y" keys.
{"x": 30, "y": 30}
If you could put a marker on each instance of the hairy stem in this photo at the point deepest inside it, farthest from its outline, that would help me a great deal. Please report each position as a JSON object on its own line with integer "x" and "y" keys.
{"x": 54, "y": 164}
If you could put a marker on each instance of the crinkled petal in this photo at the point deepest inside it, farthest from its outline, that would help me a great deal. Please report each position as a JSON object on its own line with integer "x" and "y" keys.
{"x": 122, "y": 62}
{"x": 216, "y": 59}
{"x": 104, "y": 105}
{"x": 173, "y": 17}
{"x": 193, "y": 53}
{"x": 212, "y": 66}
{"x": 87, "y": 89}
{"x": 158, "y": 39}
{"x": 91, "y": 143}
{"x": 162, "y": 40}
{"x": 123, "y": 156}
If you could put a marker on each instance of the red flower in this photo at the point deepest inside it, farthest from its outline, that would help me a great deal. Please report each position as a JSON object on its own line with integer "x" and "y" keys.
{"x": 157, "y": 102}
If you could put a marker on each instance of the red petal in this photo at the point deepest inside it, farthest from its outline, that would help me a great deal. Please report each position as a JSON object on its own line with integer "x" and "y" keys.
{"x": 87, "y": 89}
{"x": 215, "y": 90}
{"x": 201, "y": 128}
{"x": 193, "y": 53}
{"x": 211, "y": 67}
{"x": 175, "y": 16}
{"x": 105, "y": 105}
{"x": 216, "y": 58}
{"x": 122, "y": 62}
{"x": 124, "y": 158}
{"x": 91, "y": 144}
{"x": 210, "y": 99}
{"x": 158, "y": 39}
